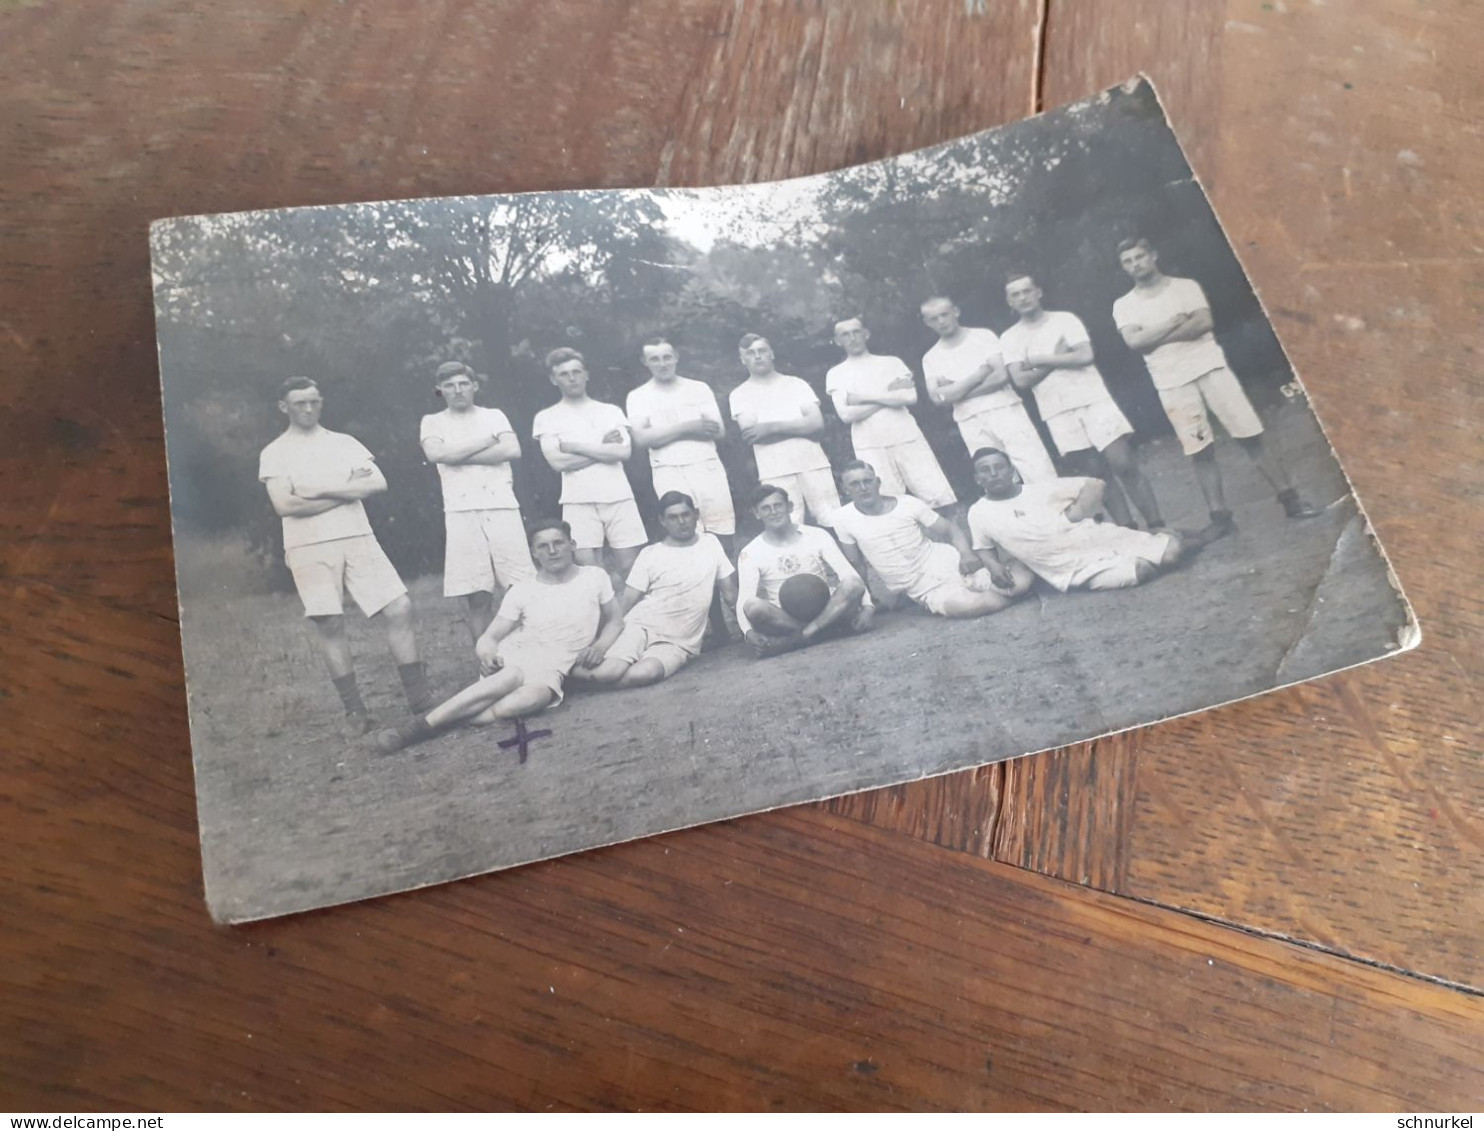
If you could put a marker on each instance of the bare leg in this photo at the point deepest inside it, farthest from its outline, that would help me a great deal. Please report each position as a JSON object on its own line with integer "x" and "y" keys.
{"x": 1092, "y": 464}
{"x": 769, "y": 618}
{"x": 1208, "y": 475}
{"x": 333, "y": 645}
{"x": 1120, "y": 457}
{"x": 523, "y": 701}
{"x": 401, "y": 636}
{"x": 623, "y": 561}
{"x": 1268, "y": 461}
{"x": 479, "y": 610}
{"x": 474, "y": 699}
{"x": 609, "y": 671}
{"x": 642, "y": 674}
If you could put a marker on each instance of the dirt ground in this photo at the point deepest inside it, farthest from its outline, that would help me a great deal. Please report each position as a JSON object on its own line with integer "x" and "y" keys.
{"x": 291, "y": 818}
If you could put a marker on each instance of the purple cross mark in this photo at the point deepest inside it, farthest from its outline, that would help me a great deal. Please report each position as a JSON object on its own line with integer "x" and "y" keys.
{"x": 523, "y": 739}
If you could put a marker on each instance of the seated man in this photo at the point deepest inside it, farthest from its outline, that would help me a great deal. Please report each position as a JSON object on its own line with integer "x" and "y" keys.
{"x": 1049, "y": 527}
{"x": 565, "y": 616}
{"x": 784, "y": 550}
{"x": 941, "y": 573}
{"x": 666, "y": 601}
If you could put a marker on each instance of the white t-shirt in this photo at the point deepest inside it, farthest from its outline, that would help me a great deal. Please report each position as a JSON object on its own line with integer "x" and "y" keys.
{"x": 1033, "y": 526}
{"x": 945, "y": 365}
{"x": 588, "y": 424}
{"x": 1174, "y": 363}
{"x": 1063, "y": 389}
{"x": 763, "y": 567}
{"x": 666, "y": 405}
{"x": 869, "y": 375}
{"x": 471, "y": 486}
{"x": 678, "y": 583}
{"x": 318, "y": 459}
{"x": 894, "y": 543}
{"x": 557, "y": 621}
{"x": 775, "y": 400}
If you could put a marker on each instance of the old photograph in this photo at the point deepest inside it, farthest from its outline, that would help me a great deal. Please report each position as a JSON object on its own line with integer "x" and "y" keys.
{"x": 512, "y": 526}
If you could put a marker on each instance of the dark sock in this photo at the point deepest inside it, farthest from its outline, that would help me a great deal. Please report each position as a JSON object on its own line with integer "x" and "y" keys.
{"x": 350, "y": 694}
{"x": 1288, "y": 495}
{"x": 418, "y": 728}
{"x": 415, "y": 687}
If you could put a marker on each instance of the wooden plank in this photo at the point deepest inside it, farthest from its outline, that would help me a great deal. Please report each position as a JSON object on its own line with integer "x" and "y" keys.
{"x": 795, "y": 961}
{"x": 1334, "y": 142}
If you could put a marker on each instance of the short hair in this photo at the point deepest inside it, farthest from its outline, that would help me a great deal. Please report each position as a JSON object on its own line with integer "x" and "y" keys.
{"x": 548, "y": 524}
{"x": 561, "y": 355}
{"x": 767, "y": 491}
{"x": 751, "y": 339}
{"x": 294, "y": 384}
{"x": 1019, "y": 273}
{"x": 655, "y": 340}
{"x": 855, "y": 465}
{"x": 835, "y": 325}
{"x": 932, "y": 299}
{"x": 1133, "y": 242}
{"x": 981, "y": 453}
{"x": 671, "y": 498}
{"x": 453, "y": 369}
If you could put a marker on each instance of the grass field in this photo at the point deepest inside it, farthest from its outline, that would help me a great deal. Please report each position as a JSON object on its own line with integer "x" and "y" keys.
{"x": 291, "y": 818}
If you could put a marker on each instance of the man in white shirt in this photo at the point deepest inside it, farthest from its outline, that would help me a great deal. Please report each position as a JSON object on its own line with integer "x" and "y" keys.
{"x": 316, "y": 480}
{"x": 918, "y": 552}
{"x": 564, "y": 617}
{"x": 871, "y": 393}
{"x": 485, "y": 549}
{"x": 966, "y": 370}
{"x": 1168, "y": 320}
{"x": 783, "y": 550}
{"x": 1050, "y": 353}
{"x": 779, "y": 416}
{"x": 666, "y": 601}
{"x": 1049, "y": 527}
{"x": 588, "y": 442}
{"x": 679, "y": 421}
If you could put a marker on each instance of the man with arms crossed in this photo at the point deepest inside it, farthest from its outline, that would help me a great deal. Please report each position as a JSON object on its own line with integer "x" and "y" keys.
{"x": 871, "y": 393}
{"x": 565, "y": 616}
{"x": 1049, "y": 527}
{"x": 679, "y": 421}
{"x": 965, "y": 369}
{"x": 1049, "y": 352}
{"x": 472, "y": 447}
{"x": 666, "y": 600}
{"x": 779, "y": 416}
{"x": 783, "y": 550}
{"x": 588, "y": 442}
{"x": 316, "y": 480}
{"x": 1168, "y": 320}
{"x": 941, "y": 573}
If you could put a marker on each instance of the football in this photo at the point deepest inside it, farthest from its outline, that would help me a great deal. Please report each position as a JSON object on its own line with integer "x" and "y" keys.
{"x": 804, "y": 596}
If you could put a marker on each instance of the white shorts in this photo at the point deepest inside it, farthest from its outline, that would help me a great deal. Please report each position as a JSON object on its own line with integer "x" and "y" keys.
{"x": 812, "y": 491}
{"x": 485, "y": 550}
{"x": 910, "y": 469}
{"x": 323, "y": 571}
{"x": 1093, "y": 425}
{"x": 637, "y": 643}
{"x": 537, "y": 669}
{"x": 1010, "y": 429}
{"x": 1217, "y": 392}
{"x": 1116, "y": 555}
{"x": 706, "y": 483}
{"x": 618, "y": 524}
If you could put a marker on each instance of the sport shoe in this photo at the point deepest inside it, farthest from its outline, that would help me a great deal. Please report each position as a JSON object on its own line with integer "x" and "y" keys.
{"x": 1220, "y": 526}
{"x": 356, "y": 725}
{"x": 389, "y": 740}
{"x": 1294, "y": 505}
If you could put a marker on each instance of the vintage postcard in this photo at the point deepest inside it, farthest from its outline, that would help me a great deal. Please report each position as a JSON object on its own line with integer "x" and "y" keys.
{"x": 510, "y": 526}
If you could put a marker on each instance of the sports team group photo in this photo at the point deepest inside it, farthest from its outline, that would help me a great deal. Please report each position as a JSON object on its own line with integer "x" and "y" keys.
{"x": 511, "y": 526}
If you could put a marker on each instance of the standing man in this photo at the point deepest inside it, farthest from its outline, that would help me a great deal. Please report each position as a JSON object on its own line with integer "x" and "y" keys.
{"x": 316, "y": 480}
{"x": 871, "y": 393}
{"x": 1049, "y": 528}
{"x": 920, "y": 553}
{"x": 679, "y": 421}
{"x": 666, "y": 601}
{"x": 966, "y": 370}
{"x": 472, "y": 446}
{"x": 783, "y": 550}
{"x": 779, "y": 416}
{"x": 566, "y": 616}
{"x": 1168, "y": 320}
{"x": 1049, "y": 352}
{"x": 588, "y": 442}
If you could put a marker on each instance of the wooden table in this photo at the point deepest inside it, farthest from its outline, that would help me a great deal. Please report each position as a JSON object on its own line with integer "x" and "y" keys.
{"x": 1277, "y": 905}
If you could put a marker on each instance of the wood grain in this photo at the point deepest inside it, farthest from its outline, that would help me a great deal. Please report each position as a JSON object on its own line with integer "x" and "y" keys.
{"x": 796, "y": 960}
